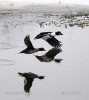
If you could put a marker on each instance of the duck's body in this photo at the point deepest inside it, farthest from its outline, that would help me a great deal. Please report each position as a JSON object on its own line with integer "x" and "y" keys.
{"x": 29, "y": 78}
{"x": 30, "y": 48}
{"x": 49, "y": 37}
{"x": 49, "y": 56}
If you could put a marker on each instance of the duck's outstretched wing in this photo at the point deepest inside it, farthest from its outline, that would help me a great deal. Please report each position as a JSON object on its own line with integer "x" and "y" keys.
{"x": 53, "y": 41}
{"x": 28, "y": 42}
{"x": 53, "y": 52}
{"x": 28, "y": 84}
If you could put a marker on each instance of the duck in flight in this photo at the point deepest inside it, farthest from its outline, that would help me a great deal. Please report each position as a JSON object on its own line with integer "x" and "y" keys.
{"x": 49, "y": 56}
{"x": 30, "y": 48}
{"x": 29, "y": 78}
{"x": 49, "y": 37}
{"x": 52, "y": 33}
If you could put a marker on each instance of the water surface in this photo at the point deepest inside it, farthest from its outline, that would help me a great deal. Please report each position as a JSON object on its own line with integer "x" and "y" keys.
{"x": 64, "y": 81}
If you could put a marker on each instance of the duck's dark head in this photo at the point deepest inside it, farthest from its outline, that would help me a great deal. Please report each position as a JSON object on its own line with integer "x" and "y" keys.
{"x": 58, "y": 33}
{"x": 39, "y": 36}
{"x": 42, "y": 49}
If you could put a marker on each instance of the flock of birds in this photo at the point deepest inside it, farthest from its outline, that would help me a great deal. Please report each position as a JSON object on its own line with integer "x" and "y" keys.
{"x": 47, "y": 57}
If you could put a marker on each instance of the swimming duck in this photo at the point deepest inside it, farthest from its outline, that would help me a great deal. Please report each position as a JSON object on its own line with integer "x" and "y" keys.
{"x": 30, "y": 48}
{"x": 49, "y": 37}
{"x": 29, "y": 78}
{"x": 49, "y": 56}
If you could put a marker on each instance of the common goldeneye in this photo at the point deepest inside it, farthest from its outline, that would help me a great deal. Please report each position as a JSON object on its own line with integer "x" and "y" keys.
{"x": 49, "y": 37}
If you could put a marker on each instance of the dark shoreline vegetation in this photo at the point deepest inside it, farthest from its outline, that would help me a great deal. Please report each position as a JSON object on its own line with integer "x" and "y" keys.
{"x": 66, "y": 16}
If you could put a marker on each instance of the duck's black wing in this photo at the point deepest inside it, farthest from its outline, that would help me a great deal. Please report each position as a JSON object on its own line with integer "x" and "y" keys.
{"x": 28, "y": 42}
{"x": 53, "y": 41}
{"x": 28, "y": 84}
{"x": 53, "y": 52}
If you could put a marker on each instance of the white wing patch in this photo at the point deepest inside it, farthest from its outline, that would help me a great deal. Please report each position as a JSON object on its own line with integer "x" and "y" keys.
{"x": 53, "y": 34}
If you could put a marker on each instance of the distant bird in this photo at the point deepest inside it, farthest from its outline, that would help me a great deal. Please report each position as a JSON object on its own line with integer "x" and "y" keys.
{"x": 30, "y": 48}
{"x": 49, "y": 37}
{"x": 49, "y": 56}
{"x": 29, "y": 78}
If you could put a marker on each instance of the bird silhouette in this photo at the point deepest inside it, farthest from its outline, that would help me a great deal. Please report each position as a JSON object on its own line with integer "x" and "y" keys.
{"x": 49, "y": 37}
{"x": 29, "y": 78}
{"x": 50, "y": 55}
{"x": 30, "y": 48}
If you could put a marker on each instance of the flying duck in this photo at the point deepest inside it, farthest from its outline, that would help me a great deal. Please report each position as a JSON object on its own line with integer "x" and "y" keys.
{"x": 49, "y": 56}
{"x": 52, "y": 33}
{"x": 49, "y": 37}
{"x": 30, "y": 48}
{"x": 29, "y": 78}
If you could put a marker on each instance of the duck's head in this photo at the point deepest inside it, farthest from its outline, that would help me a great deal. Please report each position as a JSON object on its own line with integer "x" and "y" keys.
{"x": 42, "y": 49}
{"x": 58, "y": 33}
{"x": 39, "y": 36}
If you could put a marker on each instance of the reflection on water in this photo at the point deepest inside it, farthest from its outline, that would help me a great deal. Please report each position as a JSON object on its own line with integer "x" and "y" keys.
{"x": 6, "y": 40}
{"x": 4, "y": 46}
{"x": 73, "y": 71}
{"x": 6, "y": 62}
{"x": 49, "y": 56}
{"x": 29, "y": 78}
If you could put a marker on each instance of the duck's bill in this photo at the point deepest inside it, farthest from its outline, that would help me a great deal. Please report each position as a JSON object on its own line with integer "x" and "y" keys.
{"x": 20, "y": 74}
{"x": 61, "y": 34}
